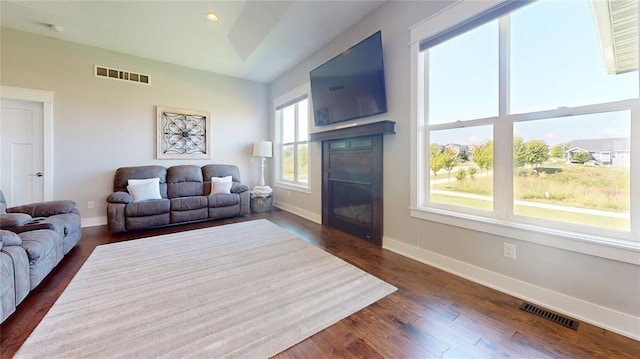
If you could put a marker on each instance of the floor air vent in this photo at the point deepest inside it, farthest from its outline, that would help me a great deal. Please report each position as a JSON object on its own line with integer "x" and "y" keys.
{"x": 564, "y": 321}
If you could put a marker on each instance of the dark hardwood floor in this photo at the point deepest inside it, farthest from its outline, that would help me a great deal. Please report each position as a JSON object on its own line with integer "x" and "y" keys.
{"x": 432, "y": 315}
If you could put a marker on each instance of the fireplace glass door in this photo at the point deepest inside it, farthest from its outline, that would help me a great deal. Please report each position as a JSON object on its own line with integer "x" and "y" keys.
{"x": 352, "y": 186}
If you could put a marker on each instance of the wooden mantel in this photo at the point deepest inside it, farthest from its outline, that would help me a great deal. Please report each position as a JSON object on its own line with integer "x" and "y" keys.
{"x": 368, "y": 129}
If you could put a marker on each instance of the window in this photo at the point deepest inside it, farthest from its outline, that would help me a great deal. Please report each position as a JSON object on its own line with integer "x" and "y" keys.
{"x": 525, "y": 117}
{"x": 292, "y": 118}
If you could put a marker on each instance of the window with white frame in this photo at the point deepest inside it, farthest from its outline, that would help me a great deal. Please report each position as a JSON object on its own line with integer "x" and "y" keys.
{"x": 292, "y": 125}
{"x": 528, "y": 115}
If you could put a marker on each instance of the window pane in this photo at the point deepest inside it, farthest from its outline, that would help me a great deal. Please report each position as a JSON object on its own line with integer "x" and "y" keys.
{"x": 303, "y": 168}
{"x": 303, "y": 120}
{"x": 461, "y": 167}
{"x": 288, "y": 124}
{"x": 463, "y": 76}
{"x": 556, "y": 59}
{"x": 574, "y": 169}
{"x": 287, "y": 163}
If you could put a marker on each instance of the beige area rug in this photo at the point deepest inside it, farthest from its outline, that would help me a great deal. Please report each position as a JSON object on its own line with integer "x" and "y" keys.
{"x": 245, "y": 290}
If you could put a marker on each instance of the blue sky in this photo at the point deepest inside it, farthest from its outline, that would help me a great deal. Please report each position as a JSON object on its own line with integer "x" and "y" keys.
{"x": 557, "y": 62}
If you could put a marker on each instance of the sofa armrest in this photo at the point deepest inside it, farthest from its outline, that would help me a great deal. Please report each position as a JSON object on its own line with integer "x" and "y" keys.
{"x": 33, "y": 227}
{"x": 8, "y": 238}
{"x": 14, "y": 219}
{"x": 120, "y": 197}
{"x": 44, "y": 209}
{"x": 239, "y": 188}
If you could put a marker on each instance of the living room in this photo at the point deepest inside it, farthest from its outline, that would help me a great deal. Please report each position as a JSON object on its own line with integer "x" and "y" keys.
{"x": 100, "y": 125}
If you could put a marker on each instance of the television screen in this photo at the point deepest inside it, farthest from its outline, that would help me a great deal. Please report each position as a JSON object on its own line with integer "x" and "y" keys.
{"x": 351, "y": 85}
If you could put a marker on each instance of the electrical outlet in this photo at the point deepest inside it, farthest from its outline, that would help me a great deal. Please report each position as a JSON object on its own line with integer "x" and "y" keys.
{"x": 90, "y": 204}
{"x": 509, "y": 250}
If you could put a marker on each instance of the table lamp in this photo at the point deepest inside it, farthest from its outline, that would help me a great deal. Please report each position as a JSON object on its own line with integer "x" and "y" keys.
{"x": 262, "y": 149}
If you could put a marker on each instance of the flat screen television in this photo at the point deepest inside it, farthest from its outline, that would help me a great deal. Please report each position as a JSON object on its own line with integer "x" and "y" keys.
{"x": 351, "y": 85}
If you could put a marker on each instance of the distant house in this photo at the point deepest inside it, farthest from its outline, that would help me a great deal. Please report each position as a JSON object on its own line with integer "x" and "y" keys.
{"x": 462, "y": 151}
{"x": 604, "y": 151}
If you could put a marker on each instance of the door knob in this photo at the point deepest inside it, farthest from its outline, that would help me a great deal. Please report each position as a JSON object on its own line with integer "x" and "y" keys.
{"x": 37, "y": 174}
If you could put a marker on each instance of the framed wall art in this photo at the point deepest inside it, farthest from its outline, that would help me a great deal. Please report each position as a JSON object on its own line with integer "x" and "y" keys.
{"x": 183, "y": 134}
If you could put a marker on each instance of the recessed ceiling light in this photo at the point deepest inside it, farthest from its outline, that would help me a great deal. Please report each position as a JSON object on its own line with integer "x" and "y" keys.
{"x": 212, "y": 17}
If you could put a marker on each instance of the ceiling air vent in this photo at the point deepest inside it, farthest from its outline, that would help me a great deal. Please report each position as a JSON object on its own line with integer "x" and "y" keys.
{"x": 559, "y": 319}
{"x": 122, "y": 75}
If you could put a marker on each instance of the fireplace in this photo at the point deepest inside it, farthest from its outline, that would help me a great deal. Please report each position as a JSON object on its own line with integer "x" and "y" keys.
{"x": 352, "y": 179}
{"x": 351, "y": 208}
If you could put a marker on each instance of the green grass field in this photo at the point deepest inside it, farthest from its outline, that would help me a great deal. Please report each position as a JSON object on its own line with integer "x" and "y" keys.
{"x": 595, "y": 188}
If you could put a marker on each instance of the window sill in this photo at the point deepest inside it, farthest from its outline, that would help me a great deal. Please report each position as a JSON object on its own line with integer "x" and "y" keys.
{"x": 292, "y": 187}
{"x": 610, "y": 248}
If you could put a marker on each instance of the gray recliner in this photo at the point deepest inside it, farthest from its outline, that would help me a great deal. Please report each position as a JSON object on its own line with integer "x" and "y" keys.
{"x": 33, "y": 240}
{"x": 61, "y": 216}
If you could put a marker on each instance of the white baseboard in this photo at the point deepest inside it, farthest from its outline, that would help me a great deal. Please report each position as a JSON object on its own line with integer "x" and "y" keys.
{"x": 94, "y": 221}
{"x": 313, "y": 217}
{"x": 595, "y": 314}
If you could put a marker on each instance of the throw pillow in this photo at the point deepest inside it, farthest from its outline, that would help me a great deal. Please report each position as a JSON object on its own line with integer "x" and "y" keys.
{"x": 142, "y": 191}
{"x": 133, "y": 182}
{"x": 221, "y": 185}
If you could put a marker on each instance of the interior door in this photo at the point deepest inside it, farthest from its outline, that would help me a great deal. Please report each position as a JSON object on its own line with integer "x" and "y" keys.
{"x": 21, "y": 151}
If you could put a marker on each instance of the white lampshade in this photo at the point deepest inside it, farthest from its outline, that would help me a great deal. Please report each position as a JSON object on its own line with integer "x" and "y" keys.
{"x": 262, "y": 149}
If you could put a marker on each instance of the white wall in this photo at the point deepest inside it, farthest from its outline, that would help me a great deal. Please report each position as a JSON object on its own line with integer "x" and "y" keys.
{"x": 602, "y": 291}
{"x": 102, "y": 124}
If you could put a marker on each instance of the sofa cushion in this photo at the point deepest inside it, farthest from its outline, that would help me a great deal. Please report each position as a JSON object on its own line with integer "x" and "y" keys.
{"x": 14, "y": 219}
{"x": 189, "y": 203}
{"x": 64, "y": 223}
{"x": 224, "y": 212}
{"x": 148, "y": 221}
{"x": 20, "y": 263}
{"x": 209, "y": 171}
{"x": 184, "y": 181}
{"x": 124, "y": 174}
{"x": 40, "y": 243}
{"x": 148, "y": 208}
{"x": 223, "y": 200}
{"x": 7, "y": 287}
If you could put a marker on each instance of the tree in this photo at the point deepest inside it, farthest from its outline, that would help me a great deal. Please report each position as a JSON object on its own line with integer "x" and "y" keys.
{"x": 536, "y": 152}
{"x": 461, "y": 175}
{"x": 560, "y": 150}
{"x": 519, "y": 154}
{"x": 472, "y": 172}
{"x": 436, "y": 159}
{"x": 483, "y": 155}
{"x": 302, "y": 159}
{"x": 581, "y": 156}
{"x": 449, "y": 161}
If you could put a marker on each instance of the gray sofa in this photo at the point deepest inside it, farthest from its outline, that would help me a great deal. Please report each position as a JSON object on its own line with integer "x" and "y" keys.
{"x": 185, "y": 196}
{"x": 33, "y": 240}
